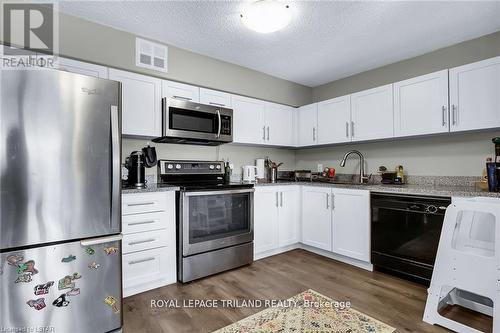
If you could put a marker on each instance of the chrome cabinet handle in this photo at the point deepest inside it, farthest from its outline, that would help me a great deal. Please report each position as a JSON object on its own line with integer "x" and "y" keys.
{"x": 281, "y": 199}
{"x": 140, "y": 204}
{"x": 443, "y": 108}
{"x": 115, "y": 167}
{"x": 142, "y": 241}
{"x": 352, "y": 129}
{"x": 133, "y": 262}
{"x": 314, "y": 133}
{"x": 327, "y": 201}
{"x": 267, "y": 133}
{"x": 220, "y": 123}
{"x": 333, "y": 201}
{"x": 141, "y": 222}
{"x": 454, "y": 114}
{"x": 182, "y": 97}
{"x": 264, "y": 133}
{"x": 347, "y": 129}
{"x": 277, "y": 204}
{"x": 217, "y": 104}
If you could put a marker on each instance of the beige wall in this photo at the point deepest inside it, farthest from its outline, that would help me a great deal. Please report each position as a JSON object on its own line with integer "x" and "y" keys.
{"x": 470, "y": 51}
{"x": 238, "y": 155}
{"x": 88, "y": 41}
{"x": 445, "y": 155}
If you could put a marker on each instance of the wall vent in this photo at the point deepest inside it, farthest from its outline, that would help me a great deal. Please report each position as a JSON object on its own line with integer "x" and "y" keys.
{"x": 151, "y": 55}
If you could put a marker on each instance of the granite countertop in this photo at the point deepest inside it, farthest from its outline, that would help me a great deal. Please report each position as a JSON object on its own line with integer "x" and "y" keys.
{"x": 151, "y": 187}
{"x": 431, "y": 190}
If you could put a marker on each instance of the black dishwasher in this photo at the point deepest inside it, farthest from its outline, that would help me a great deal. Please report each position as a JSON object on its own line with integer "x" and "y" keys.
{"x": 405, "y": 234}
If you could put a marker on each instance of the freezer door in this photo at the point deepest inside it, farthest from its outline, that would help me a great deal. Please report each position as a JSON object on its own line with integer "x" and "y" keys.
{"x": 64, "y": 288}
{"x": 59, "y": 157}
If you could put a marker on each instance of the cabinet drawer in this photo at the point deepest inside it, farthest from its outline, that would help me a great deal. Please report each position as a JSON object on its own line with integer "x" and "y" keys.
{"x": 145, "y": 241}
{"x": 144, "y": 222}
{"x": 143, "y": 203}
{"x": 146, "y": 270}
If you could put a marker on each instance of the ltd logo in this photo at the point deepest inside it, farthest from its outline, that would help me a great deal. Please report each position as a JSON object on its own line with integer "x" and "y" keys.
{"x": 28, "y": 26}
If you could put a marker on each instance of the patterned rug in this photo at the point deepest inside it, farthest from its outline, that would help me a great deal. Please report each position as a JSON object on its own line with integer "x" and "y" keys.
{"x": 308, "y": 312}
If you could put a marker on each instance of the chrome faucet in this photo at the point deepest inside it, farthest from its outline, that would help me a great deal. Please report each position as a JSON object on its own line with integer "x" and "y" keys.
{"x": 362, "y": 177}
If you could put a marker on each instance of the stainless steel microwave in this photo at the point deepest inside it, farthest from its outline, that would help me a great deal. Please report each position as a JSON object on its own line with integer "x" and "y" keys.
{"x": 194, "y": 123}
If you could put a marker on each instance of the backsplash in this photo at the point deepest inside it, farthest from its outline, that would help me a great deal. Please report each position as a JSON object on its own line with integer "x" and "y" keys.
{"x": 237, "y": 155}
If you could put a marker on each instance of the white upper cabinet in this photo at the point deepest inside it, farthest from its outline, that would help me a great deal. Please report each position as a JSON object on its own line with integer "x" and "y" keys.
{"x": 372, "y": 114}
{"x": 317, "y": 217}
{"x": 308, "y": 125}
{"x": 180, "y": 91}
{"x": 78, "y": 67}
{"x": 248, "y": 120}
{"x": 278, "y": 124}
{"x": 421, "y": 105}
{"x": 475, "y": 95}
{"x": 141, "y": 103}
{"x": 214, "y": 97}
{"x": 334, "y": 120}
{"x": 351, "y": 223}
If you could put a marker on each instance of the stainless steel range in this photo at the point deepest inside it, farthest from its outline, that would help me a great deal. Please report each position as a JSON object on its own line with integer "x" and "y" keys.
{"x": 214, "y": 219}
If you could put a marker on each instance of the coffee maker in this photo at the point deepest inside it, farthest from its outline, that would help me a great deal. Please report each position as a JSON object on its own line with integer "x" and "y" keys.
{"x": 136, "y": 164}
{"x": 493, "y": 168}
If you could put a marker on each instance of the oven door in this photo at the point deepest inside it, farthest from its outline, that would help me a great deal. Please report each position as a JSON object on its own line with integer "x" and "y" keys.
{"x": 193, "y": 121}
{"x": 217, "y": 219}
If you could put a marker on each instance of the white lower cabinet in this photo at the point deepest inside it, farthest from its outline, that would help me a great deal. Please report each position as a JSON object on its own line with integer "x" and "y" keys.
{"x": 276, "y": 217}
{"x": 351, "y": 223}
{"x": 149, "y": 241}
{"x": 317, "y": 217}
{"x": 337, "y": 220}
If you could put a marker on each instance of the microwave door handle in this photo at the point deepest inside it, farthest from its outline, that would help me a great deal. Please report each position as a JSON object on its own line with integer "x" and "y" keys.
{"x": 220, "y": 123}
{"x": 164, "y": 116}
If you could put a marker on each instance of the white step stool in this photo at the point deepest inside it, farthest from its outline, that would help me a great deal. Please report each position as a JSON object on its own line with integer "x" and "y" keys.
{"x": 467, "y": 268}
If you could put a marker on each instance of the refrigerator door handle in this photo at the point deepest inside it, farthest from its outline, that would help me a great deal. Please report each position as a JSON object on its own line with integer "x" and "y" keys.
{"x": 100, "y": 240}
{"x": 115, "y": 163}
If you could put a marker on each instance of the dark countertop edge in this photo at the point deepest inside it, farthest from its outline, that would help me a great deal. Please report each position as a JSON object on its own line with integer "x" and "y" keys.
{"x": 441, "y": 191}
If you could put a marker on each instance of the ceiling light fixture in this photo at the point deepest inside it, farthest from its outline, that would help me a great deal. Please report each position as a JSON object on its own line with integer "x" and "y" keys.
{"x": 266, "y": 16}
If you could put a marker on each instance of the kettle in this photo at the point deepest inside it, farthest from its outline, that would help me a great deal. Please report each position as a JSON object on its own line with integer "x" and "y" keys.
{"x": 136, "y": 172}
{"x": 249, "y": 173}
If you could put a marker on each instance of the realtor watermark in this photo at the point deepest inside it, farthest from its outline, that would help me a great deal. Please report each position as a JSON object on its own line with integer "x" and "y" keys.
{"x": 27, "y": 329}
{"x": 246, "y": 303}
{"x": 30, "y": 35}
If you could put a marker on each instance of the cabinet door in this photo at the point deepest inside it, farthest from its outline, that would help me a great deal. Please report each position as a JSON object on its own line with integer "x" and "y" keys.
{"x": 289, "y": 215}
{"x": 308, "y": 125}
{"x": 180, "y": 91}
{"x": 279, "y": 124}
{"x": 421, "y": 105}
{"x": 334, "y": 120}
{"x": 317, "y": 217}
{"x": 475, "y": 95}
{"x": 372, "y": 114}
{"x": 79, "y": 67}
{"x": 266, "y": 202}
{"x": 351, "y": 223}
{"x": 214, "y": 97}
{"x": 141, "y": 103}
{"x": 248, "y": 120}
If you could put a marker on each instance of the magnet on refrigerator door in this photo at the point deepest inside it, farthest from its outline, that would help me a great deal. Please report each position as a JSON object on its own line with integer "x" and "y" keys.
{"x": 69, "y": 258}
{"x": 23, "y": 278}
{"x": 73, "y": 292}
{"x": 37, "y": 304}
{"x": 94, "y": 265}
{"x": 111, "y": 302}
{"x": 90, "y": 251}
{"x": 27, "y": 267}
{"x": 15, "y": 259}
{"x": 43, "y": 289}
{"x": 61, "y": 301}
{"x": 111, "y": 250}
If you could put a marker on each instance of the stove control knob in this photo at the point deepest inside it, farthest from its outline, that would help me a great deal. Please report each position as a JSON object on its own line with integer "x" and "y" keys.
{"x": 211, "y": 167}
{"x": 178, "y": 166}
{"x": 217, "y": 166}
{"x": 170, "y": 166}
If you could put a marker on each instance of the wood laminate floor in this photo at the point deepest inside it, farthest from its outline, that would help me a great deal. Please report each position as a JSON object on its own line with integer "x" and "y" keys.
{"x": 394, "y": 301}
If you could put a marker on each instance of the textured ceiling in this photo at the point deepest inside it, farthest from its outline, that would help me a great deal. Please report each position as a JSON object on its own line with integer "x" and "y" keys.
{"x": 326, "y": 40}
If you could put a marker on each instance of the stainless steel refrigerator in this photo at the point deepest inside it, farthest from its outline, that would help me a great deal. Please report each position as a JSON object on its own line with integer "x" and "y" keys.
{"x": 60, "y": 268}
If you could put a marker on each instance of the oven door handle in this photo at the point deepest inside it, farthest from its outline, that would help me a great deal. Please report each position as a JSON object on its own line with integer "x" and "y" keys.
{"x": 202, "y": 193}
